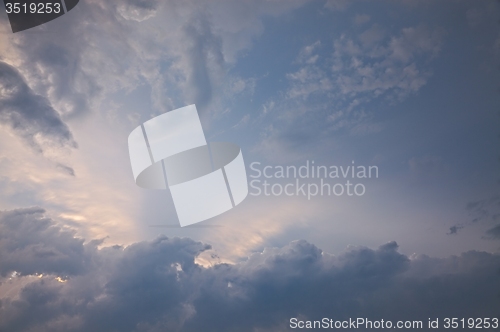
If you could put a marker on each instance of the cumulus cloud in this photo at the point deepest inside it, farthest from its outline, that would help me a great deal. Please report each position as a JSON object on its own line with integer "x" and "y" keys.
{"x": 28, "y": 114}
{"x": 157, "y": 286}
{"x": 31, "y": 243}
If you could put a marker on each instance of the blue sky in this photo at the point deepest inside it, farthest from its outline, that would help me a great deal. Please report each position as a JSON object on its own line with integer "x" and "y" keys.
{"x": 409, "y": 86}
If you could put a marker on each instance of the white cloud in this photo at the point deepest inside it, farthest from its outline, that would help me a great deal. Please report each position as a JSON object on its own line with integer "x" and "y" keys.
{"x": 307, "y": 55}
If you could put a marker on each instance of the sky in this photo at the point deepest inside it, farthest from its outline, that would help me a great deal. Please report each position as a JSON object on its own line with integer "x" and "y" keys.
{"x": 409, "y": 87}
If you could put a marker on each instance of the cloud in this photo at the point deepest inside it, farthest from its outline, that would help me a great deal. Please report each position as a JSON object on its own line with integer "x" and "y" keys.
{"x": 105, "y": 68}
{"x": 138, "y": 10}
{"x": 337, "y": 5}
{"x": 366, "y": 128}
{"x": 183, "y": 52}
{"x": 157, "y": 286}
{"x": 372, "y": 35}
{"x": 454, "y": 229}
{"x": 484, "y": 209}
{"x": 380, "y": 66}
{"x": 29, "y": 115}
{"x": 244, "y": 120}
{"x": 414, "y": 41}
{"x": 475, "y": 16}
{"x": 307, "y": 55}
{"x": 205, "y": 60}
{"x": 494, "y": 232}
{"x": 31, "y": 243}
{"x": 360, "y": 19}
{"x": 331, "y": 88}
{"x": 377, "y": 65}
{"x": 66, "y": 169}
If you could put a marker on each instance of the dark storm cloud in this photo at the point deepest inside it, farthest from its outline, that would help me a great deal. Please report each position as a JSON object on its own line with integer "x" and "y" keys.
{"x": 156, "y": 285}
{"x": 30, "y": 115}
{"x": 31, "y": 243}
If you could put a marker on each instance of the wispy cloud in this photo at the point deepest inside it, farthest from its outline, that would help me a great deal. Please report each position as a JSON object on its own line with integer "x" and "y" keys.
{"x": 332, "y": 86}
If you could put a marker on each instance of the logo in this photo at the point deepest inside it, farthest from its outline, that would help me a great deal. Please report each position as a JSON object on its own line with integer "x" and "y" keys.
{"x": 205, "y": 179}
{"x": 25, "y": 15}
{"x": 310, "y": 179}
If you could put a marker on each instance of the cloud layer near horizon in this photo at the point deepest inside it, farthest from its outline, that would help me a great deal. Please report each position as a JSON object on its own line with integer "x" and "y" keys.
{"x": 157, "y": 285}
